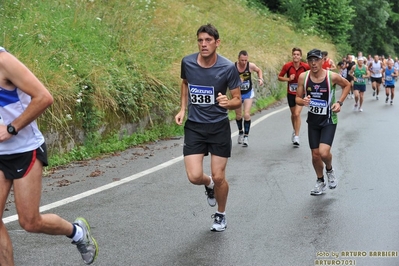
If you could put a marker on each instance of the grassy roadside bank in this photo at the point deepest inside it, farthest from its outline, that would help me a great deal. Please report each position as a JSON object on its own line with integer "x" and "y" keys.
{"x": 114, "y": 63}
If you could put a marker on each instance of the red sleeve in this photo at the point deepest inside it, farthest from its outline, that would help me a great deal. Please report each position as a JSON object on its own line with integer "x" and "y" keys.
{"x": 284, "y": 70}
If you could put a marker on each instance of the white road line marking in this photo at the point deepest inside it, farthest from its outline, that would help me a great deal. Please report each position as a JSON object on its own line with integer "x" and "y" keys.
{"x": 88, "y": 193}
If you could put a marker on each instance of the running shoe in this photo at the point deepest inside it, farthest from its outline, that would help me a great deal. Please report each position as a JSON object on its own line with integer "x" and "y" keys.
{"x": 319, "y": 188}
{"x": 219, "y": 222}
{"x": 296, "y": 141}
{"x": 87, "y": 246}
{"x": 373, "y": 93}
{"x": 292, "y": 137}
{"x": 240, "y": 138}
{"x": 245, "y": 142}
{"x": 210, "y": 194}
{"x": 386, "y": 99}
{"x": 391, "y": 102}
{"x": 355, "y": 107}
{"x": 332, "y": 180}
{"x": 360, "y": 109}
{"x": 376, "y": 97}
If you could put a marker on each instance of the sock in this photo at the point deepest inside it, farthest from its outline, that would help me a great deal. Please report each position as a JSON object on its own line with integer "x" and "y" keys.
{"x": 320, "y": 179}
{"x": 328, "y": 170}
{"x": 239, "y": 125}
{"x": 211, "y": 185}
{"x": 222, "y": 213}
{"x": 247, "y": 125}
{"x": 78, "y": 233}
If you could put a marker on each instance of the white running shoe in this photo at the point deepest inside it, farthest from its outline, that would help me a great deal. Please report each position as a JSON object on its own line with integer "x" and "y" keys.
{"x": 386, "y": 99}
{"x": 332, "y": 180}
{"x": 210, "y": 195}
{"x": 245, "y": 142}
{"x": 373, "y": 93}
{"x": 219, "y": 223}
{"x": 292, "y": 137}
{"x": 87, "y": 246}
{"x": 360, "y": 109}
{"x": 296, "y": 141}
{"x": 240, "y": 138}
{"x": 319, "y": 188}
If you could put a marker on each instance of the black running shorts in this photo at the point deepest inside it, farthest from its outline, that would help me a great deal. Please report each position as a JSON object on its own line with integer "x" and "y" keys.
{"x": 377, "y": 80}
{"x": 291, "y": 100}
{"x": 18, "y": 165}
{"x": 321, "y": 134}
{"x": 204, "y": 138}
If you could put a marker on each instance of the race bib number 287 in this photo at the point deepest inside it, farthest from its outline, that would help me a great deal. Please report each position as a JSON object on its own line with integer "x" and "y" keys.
{"x": 318, "y": 107}
{"x": 201, "y": 94}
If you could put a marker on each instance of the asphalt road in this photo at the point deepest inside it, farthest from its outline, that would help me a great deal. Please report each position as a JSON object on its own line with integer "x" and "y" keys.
{"x": 143, "y": 211}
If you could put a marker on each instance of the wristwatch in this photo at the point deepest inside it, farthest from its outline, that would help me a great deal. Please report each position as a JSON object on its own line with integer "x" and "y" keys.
{"x": 340, "y": 103}
{"x": 11, "y": 129}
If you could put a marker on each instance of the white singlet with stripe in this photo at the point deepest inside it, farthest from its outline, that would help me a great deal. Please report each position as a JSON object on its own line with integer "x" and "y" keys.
{"x": 12, "y": 104}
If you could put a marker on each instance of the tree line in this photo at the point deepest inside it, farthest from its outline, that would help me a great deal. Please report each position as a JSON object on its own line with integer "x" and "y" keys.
{"x": 370, "y": 26}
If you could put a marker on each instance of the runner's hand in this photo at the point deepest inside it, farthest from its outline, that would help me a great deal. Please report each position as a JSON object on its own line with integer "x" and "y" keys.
{"x": 306, "y": 100}
{"x": 4, "y": 135}
{"x": 222, "y": 100}
{"x": 336, "y": 108}
{"x": 180, "y": 117}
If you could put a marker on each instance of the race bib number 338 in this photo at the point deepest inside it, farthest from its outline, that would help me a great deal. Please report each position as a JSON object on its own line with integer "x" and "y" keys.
{"x": 318, "y": 107}
{"x": 201, "y": 94}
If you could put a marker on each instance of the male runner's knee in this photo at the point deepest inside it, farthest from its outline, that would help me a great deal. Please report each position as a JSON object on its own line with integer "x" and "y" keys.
{"x": 218, "y": 179}
{"x": 195, "y": 178}
{"x": 315, "y": 154}
{"x": 29, "y": 225}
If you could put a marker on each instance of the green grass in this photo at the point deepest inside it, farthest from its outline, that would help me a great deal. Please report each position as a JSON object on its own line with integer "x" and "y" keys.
{"x": 112, "y": 63}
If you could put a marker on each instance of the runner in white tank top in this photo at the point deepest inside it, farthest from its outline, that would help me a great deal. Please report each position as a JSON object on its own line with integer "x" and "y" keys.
{"x": 376, "y": 69}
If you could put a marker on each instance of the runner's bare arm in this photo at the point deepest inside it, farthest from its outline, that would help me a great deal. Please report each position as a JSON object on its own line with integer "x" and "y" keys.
{"x": 346, "y": 87}
{"x": 255, "y": 68}
{"x": 16, "y": 74}
{"x": 300, "y": 91}
{"x": 183, "y": 102}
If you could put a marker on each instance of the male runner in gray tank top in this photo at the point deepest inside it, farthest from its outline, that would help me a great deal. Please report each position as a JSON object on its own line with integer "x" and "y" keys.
{"x": 206, "y": 76}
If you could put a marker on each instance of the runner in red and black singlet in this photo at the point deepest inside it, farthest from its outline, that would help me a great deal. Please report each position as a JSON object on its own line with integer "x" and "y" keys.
{"x": 290, "y": 73}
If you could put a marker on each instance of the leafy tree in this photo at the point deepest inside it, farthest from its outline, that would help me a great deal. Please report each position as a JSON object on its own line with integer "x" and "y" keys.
{"x": 369, "y": 26}
{"x": 333, "y": 17}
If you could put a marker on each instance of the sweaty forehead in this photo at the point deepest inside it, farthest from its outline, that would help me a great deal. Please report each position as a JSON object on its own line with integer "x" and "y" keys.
{"x": 204, "y": 35}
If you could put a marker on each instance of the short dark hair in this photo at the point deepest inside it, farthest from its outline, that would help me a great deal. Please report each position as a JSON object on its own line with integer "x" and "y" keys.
{"x": 324, "y": 53}
{"x": 296, "y": 49}
{"x": 243, "y": 52}
{"x": 210, "y": 29}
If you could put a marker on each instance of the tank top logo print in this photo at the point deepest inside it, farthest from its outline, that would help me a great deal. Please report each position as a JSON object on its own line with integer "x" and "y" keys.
{"x": 201, "y": 94}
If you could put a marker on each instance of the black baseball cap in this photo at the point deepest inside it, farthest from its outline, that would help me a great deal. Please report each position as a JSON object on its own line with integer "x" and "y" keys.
{"x": 314, "y": 53}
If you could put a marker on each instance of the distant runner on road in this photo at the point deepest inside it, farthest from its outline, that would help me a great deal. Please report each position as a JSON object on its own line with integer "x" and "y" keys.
{"x": 290, "y": 73}
{"x": 245, "y": 69}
